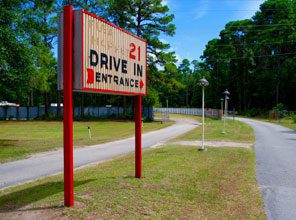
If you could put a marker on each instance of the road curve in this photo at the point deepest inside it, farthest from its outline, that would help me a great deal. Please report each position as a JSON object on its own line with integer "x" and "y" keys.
{"x": 17, "y": 172}
{"x": 275, "y": 150}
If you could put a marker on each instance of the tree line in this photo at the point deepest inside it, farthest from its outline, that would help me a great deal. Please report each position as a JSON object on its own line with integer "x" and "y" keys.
{"x": 253, "y": 58}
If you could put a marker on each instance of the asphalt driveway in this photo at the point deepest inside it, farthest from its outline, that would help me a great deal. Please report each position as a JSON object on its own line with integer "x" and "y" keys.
{"x": 275, "y": 150}
{"x": 40, "y": 165}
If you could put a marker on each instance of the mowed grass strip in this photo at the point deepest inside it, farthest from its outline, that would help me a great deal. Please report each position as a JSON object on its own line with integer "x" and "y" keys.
{"x": 19, "y": 139}
{"x": 286, "y": 122}
{"x": 235, "y": 131}
{"x": 178, "y": 116}
{"x": 179, "y": 183}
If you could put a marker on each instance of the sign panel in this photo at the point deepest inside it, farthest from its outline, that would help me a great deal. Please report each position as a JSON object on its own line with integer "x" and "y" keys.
{"x": 107, "y": 59}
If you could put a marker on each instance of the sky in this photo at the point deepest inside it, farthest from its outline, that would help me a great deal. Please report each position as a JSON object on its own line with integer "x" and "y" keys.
{"x": 199, "y": 21}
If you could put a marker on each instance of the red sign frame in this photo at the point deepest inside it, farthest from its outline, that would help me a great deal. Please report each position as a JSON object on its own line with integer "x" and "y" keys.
{"x": 125, "y": 31}
{"x": 66, "y": 65}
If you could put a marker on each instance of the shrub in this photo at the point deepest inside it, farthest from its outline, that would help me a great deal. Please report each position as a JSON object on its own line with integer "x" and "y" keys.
{"x": 253, "y": 112}
{"x": 294, "y": 118}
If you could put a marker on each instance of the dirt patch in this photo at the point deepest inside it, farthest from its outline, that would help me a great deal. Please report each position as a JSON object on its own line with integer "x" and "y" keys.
{"x": 32, "y": 214}
{"x": 213, "y": 144}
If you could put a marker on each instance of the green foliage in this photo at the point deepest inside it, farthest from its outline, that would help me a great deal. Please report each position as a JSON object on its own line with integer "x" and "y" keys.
{"x": 16, "y": 56}
{"x": 254, "y": 112}
{"x": 254, "y": 59}
{"x": 152, "y": 99}
{"x": 294, "y": 118}
{"x": 102, "y": 118}
{"x": 279, "y": 107}
{"x": 51, "y": 117}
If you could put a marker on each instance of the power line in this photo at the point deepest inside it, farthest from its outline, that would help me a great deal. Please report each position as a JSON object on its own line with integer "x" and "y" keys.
{"x": 224, "y": 0}
{"x": 271, "y": 43}
{"x": 259, "y": 25}
{"x": 243, "y": 31}
{"x": 228, "y": 10}
{"x": 238, "y": 58}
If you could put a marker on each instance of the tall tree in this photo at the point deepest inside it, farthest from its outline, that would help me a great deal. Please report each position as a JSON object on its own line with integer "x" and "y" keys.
{"x": 145, "y": 18}
{"x": 16, "y": 56}
{"x": 42, "y": 28}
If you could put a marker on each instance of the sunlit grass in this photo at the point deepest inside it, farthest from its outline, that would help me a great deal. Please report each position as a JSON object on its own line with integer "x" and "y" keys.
{"x": 18, "y": 139}
{"x": 234, "y": 131}
{"x": 179, "y": 183}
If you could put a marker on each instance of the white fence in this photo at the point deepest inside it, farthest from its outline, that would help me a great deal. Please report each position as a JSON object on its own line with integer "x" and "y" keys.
{"x": 30, "y": 113}
{"x": 209, "y": 112}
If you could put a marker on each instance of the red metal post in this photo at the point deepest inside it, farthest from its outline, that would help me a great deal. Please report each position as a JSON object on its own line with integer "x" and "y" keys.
{"x": 68, "y": 102}
{"x": 138, "y": 136}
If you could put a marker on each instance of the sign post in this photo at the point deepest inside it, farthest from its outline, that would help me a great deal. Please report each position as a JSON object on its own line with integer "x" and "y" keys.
{"x": 138, "y": 136}
{"x": 68, "y": 102}
{"x": 95, "y": 56}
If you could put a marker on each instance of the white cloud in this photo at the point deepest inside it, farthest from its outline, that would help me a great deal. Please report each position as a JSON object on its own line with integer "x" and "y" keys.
{"x": 165, "y": 2}
{"x": 178, "y": 57}
{"x": 163, "y": 41}
{"x": 202, "y": 10}
{"x": 248, "y": 9}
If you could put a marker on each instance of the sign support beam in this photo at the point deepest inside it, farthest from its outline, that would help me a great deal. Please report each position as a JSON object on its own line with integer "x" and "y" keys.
{"x": 68, "y": 103}
{"x": 138, "y": 136}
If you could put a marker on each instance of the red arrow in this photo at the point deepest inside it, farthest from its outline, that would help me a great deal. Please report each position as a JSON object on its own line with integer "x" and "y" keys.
{"x": 90, "y": 76}
{"x": 141, "y": 84}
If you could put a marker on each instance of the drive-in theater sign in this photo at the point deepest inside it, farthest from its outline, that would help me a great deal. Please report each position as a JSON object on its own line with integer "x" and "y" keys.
{"x": 98, "y": 57}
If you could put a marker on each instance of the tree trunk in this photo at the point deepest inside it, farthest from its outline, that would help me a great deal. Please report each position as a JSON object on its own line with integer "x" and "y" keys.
{"x": 32, "y": 99}
{"x": 124, "y": 106}
{"x": 277, "y": 86}
{"x": 46, "y": 103}
{"x": 58, "y": 102}
{"x": 82, "y": 105}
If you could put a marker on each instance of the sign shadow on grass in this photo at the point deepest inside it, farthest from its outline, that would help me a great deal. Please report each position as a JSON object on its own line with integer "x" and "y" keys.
{"x": 21, "y": 198}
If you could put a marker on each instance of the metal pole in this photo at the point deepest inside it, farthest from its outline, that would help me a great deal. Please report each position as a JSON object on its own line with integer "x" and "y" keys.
{"x": 223, "y": 132}
{"x": 221, "y": 109}
{"x": 226, "y": 111}
{"x": 68, "y": 102}
{"x": 138, "y": 136}
{"x": 203, "y": 117}
{"x": 233, "y": 114}
{"x": 89, "y": 132}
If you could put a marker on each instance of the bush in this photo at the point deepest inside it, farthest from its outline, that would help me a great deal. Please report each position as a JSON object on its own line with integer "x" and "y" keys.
{"x": 102, "y": 118}
{"x": 51, "y": 117}
{"x": 279, "y": 110}
{"x": 254, "y": 112}
{"x": 146, "y": 119}
{"x": 294, "y": 118}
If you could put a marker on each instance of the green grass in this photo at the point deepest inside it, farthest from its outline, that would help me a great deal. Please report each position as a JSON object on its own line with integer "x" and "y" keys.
{"x": 286, "y": 122}
{"x": 158, "y": 115}
{"x": 235, "y": 131}
{"x": 179, "y": 183}
{"x": 19, "y": 139}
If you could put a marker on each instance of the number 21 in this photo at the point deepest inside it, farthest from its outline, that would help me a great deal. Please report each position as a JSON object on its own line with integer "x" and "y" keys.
{"x": 132, "y": 52}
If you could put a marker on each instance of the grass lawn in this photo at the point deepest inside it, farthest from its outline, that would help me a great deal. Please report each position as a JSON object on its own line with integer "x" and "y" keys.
{"x": 235, "y": 131}
{"x": 283, "y": 122}
{"x": 179, "y": 183}
{"x": 198, "y": 118}
{"x": 19, "y": 139}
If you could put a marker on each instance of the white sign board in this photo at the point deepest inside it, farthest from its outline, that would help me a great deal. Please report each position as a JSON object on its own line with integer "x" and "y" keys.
{"x": 107, "y": 59}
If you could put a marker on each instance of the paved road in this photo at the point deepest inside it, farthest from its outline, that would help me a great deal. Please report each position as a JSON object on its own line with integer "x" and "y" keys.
{"x": 41, "y": 165}
{"x": 275, "y": 150}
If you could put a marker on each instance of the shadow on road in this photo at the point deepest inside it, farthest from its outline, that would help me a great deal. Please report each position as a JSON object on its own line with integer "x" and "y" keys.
{"x": 289, "y": 132}
{"x": 16, "y": 200}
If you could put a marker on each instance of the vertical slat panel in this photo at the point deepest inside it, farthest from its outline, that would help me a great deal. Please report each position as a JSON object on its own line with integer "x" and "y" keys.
{"x": 104, "y": 37}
